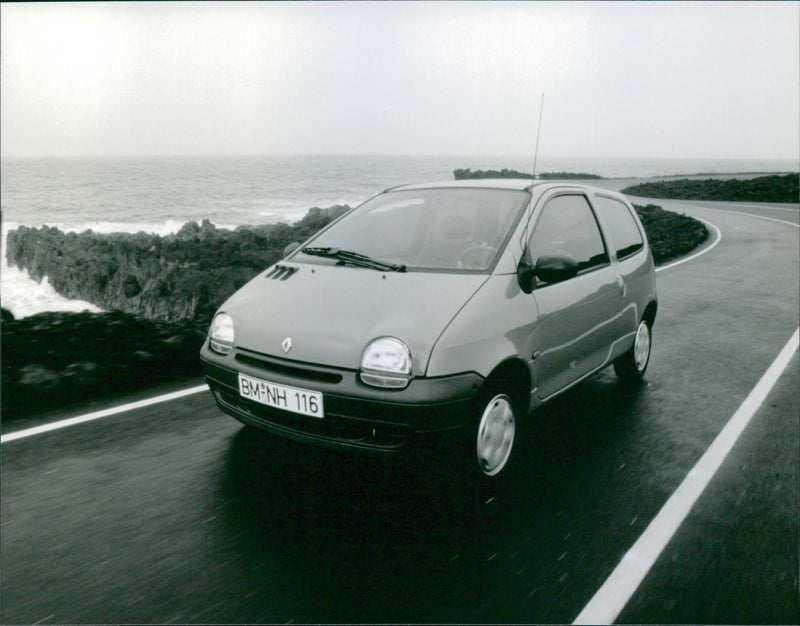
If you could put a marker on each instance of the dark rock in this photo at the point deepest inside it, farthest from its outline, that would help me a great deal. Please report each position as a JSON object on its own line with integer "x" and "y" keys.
{"x": 670, "y": 234}
{"x": 773, "y": 188}
{"x": 55, "y": 358}
{"x": 184, "y": 276}
{"x": 466, "y": 174}
{"x": 131, "y": 287}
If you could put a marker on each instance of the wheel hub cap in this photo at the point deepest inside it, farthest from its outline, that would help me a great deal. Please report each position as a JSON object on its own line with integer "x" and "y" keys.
{"x": 641, "y": 350}
{"x": 495, "y": 435}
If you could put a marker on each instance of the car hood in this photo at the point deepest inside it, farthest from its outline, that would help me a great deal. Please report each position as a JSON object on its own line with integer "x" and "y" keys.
{"x": 331, "y": 312}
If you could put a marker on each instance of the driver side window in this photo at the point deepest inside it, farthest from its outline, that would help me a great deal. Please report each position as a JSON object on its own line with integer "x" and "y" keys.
{"x": 567, "y": 227}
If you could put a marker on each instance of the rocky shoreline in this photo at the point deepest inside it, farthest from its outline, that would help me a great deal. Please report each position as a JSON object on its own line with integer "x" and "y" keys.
{"x": 774, "y": 188}
{"x": 175, "y": 278}
{"x": 55, "y": 359}
{"x": 467, "y": 174}
{"x": 162, "y": 292}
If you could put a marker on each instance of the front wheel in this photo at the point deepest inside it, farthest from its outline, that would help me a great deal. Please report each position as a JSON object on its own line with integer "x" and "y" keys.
{"x": 494, "y": 435}
{"x": 631, "y": 366}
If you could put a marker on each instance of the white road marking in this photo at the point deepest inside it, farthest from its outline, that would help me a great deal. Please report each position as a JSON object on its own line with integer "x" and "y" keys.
{"x": 749, "y": 205}
{"x": 760, "y": 217}
{"x": 699, "y": 205}
{"x": 696, "y": 254}
{"x": 772, "y": 208}
{"x": 611, "y": 598}
{"x": 82, "y": 419}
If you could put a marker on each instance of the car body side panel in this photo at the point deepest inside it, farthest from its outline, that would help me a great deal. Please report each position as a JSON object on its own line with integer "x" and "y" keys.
{"x": 471, "y": 341}
{"x": 580, "y": 320}
{"x": 600, "y": 324}
{"x": 640, "y": 288}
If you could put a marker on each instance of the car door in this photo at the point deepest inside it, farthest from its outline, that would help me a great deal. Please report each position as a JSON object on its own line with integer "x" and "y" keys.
{"x": 627, "y": 240}
{"x": 577, "y": 317}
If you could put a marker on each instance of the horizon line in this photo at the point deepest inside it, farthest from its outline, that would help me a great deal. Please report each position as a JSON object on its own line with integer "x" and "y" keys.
{"x": 391, "y": 155}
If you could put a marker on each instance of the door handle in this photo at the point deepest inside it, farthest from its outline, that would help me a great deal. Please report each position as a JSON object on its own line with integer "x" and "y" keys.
{"x": 621, "y": 284}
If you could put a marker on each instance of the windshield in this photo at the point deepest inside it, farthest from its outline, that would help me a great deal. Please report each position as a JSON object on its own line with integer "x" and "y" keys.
{"x": 450, "y": 229}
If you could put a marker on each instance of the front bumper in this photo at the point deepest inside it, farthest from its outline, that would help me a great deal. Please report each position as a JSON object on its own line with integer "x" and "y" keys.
{"x": 357, "y": 416}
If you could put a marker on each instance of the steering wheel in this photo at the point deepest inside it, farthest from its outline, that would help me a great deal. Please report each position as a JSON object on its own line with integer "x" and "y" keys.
{"x": 476, "y": 257}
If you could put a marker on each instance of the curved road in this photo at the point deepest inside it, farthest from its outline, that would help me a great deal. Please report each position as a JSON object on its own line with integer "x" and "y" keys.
{"x": 175, "y": 513}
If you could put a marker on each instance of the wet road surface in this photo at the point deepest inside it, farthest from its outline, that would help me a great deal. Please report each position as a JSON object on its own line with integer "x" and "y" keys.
{"x": 177, "y": 513}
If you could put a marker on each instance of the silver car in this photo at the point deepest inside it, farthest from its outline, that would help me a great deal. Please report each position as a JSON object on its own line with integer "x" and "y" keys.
{"x": 450, "y": 309}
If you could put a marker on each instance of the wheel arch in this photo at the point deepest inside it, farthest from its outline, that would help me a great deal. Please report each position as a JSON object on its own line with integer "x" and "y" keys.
{"x": 649, "y": 314}
{"x": 514, "y": 376}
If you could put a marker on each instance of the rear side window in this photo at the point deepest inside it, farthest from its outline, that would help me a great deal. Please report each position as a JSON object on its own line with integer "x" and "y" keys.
{"x": 624, "y": 231}
{"x": 567, "y": 226}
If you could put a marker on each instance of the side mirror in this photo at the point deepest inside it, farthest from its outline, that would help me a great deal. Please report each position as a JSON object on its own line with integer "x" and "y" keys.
{"x": 555, "y": 269}
{"x": 291, "y": 248}
{"x": 526, "y": 273}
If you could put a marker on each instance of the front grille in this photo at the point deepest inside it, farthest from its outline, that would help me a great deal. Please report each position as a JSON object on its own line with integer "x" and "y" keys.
{"x": 267, "y": 365}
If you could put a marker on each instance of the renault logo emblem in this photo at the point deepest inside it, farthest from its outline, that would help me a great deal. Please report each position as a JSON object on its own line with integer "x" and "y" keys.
{"x": 286, "y": 345}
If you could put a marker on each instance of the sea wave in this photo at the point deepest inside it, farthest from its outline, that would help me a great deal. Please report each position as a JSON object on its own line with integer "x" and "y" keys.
{"x": 24, "y": 296}
{"x": 167, "y": 227}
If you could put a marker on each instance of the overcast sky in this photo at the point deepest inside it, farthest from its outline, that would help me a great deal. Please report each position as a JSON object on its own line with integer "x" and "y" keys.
{"x": 638, "y": 79}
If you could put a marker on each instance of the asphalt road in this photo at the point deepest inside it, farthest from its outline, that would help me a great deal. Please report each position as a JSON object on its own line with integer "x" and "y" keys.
{"x": 177, "y": 513}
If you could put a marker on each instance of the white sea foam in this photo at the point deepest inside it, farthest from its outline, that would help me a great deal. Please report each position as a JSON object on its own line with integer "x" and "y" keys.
{"x": 289, "y": 216}
{"x": 163, "y": 229}
{"x": 24, "y": 297}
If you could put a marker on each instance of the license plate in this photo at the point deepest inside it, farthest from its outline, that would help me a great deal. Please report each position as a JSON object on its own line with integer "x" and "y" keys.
{"x": 283, "y": 397}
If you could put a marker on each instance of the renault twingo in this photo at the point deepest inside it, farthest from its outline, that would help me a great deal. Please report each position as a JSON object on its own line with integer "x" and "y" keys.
{"x": 438, "y": 309}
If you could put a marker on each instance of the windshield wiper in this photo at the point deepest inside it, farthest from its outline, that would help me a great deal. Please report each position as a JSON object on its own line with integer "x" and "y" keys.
{"x": 354, "y": 258}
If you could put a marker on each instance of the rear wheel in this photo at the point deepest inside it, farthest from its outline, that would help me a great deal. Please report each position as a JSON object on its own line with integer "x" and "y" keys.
{"x": 631, "y": 366}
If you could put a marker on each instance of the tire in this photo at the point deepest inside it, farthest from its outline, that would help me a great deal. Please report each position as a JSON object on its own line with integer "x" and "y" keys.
{"x": 632, "y": 365}
{"x": 495, "y": 426}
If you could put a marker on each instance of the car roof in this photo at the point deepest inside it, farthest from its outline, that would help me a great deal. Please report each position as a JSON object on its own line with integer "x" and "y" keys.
{"x": 518, "y": 184}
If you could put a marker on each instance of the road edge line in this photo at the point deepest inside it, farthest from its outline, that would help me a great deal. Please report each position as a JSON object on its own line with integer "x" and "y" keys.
{"x": 760, "y": 217}
{"x": 702, "y": 251}
{"x": 612, "y": 597}
{"x": 82, "y": 419}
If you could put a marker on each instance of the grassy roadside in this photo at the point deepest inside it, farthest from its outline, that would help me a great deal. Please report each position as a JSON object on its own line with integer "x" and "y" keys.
{"x": 671, "y": 235}
{"x": 57, "y": 359}
{"x": 777, "y": 188}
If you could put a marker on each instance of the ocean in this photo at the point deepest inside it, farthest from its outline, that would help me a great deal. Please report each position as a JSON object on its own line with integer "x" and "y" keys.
{"x": 160, "y": 194}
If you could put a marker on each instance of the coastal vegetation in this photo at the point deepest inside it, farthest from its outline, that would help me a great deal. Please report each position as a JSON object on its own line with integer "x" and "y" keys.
{"x": 671, "y": 235}
{"x": 52, "y": 359}
{"x": 774, "y": 188}
{"x": 466, "y": 174}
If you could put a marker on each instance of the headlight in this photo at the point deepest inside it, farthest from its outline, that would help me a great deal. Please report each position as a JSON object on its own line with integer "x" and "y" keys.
{"x": 386, "y": 363}
{"x": 221, "y": 333}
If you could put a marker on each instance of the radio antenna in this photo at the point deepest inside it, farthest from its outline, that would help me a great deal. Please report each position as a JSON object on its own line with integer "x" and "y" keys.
{"x": 538, "y": 130}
